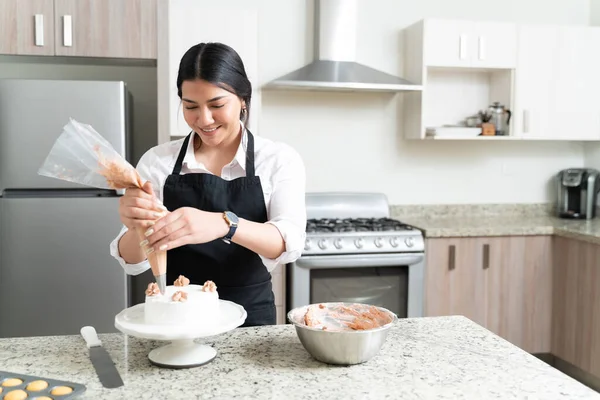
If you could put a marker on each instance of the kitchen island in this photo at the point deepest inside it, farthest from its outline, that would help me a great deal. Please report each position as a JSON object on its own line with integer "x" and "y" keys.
{"x": 441, "y": 358}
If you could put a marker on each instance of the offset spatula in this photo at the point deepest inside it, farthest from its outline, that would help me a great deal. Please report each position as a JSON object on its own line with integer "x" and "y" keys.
{"x": 104, "y": 365}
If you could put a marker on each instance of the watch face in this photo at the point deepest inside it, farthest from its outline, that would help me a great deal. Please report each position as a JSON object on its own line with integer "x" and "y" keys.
{"x": 232, "y": 217}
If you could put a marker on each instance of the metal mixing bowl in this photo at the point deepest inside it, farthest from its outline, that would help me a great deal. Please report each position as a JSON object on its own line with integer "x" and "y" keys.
{"x": 340, "y": 348}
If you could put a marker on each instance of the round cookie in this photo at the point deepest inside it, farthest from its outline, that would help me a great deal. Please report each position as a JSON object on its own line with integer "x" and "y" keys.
{"x": 43, "y": 398}
{"x": 12, "y": 382}
{"x": 36, "y": 386}
{"x": 61, "y": 390}
{"x": 16, "y": 395}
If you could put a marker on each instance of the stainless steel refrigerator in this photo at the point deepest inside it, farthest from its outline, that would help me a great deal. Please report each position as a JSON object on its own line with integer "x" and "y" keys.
{"x": 56, "y": 273}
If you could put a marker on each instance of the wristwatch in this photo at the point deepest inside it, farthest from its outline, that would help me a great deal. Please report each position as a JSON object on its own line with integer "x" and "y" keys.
{"x": 232, "y": 220}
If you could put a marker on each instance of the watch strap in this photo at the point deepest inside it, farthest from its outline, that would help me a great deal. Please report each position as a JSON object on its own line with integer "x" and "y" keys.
{"x": 232, "y": 228}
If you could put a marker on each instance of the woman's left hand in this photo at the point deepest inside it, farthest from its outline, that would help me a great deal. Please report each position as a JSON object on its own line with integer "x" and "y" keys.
{"x": 186, "y": 225}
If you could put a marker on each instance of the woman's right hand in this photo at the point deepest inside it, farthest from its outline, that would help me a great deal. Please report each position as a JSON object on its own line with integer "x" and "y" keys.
{"x": 139, "y": 208}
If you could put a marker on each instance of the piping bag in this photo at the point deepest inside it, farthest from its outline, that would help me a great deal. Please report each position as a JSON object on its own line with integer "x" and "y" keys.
{"x": 82, "y": 155}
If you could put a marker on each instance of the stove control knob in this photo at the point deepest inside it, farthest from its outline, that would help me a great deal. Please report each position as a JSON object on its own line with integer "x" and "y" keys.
{"x": 358, "y": 243}
{"x": 338, "y": 243}
{"x": 323, "y": 244}
{"x": 378, "y": 242}
{"x": 410, "y": 242}
{"x": 307, "y": 244}
{"x": 394, "y": 242}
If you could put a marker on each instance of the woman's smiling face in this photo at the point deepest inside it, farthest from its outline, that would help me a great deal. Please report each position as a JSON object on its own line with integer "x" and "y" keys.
{"x": 211, "y": 111}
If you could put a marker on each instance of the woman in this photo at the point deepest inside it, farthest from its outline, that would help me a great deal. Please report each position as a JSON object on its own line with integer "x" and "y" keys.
{"x": 235, "y": 202}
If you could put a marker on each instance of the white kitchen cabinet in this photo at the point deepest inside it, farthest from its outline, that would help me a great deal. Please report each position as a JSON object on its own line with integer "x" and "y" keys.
{"x": 458, "y": 43}
{"x": 534, "y": 87}
{"x": 576, "y": 101}
{"x": 547, "y": 75}
{"x": 463, "y": 66}
{"x": 557, "y": 82}
{"x": 184, "y": 23}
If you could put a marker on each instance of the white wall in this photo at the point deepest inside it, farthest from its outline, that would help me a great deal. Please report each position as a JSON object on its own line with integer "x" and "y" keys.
{"x": 353, "y": 141}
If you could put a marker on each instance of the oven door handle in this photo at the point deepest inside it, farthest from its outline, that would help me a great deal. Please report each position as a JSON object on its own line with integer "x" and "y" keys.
{"x": 359, "y": 260}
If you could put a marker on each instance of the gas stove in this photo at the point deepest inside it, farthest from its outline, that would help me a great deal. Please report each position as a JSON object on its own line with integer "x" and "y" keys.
{"x": 355, "y": 252}
{"x": 356, "y": 224}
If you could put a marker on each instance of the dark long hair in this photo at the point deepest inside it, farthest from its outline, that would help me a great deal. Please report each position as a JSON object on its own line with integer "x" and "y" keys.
{"x": 220, "y": 65}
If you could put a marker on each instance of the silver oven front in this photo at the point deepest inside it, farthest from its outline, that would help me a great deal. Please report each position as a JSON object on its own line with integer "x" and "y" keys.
{"x": 394, "y": 281}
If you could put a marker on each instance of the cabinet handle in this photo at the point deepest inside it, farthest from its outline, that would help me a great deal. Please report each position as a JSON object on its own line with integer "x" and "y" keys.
{"x": 486, "y": 256}
{"x": 481, "y": 48}
{"x": 462, "y": 47}
{"x": 39, "y": 30}
{"x": 451, "y": 257}
{"x": 525, "y": 121}
{"x": 67, "y": 31}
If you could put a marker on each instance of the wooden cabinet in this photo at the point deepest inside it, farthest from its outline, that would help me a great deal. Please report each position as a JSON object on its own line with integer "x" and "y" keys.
{"x": 455, "y": 282}
{"x": 86, "y": 28}
{"x": 519, "y": 290}
{"x": 458, "y": 43}
{"x": 107, "y": 28}
{"x": 178, "y": 30}
{"x": 502, "y": 283}
{"x": 27, "y": 29}
{"x": 576, "y": 305}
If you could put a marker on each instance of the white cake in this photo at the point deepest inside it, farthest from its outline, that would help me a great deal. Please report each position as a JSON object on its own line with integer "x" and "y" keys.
{"x": 199, "y": 305}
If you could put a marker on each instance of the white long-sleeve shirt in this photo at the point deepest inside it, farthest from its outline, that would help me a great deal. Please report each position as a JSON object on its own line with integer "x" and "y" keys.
{"x": 282, "y": 175}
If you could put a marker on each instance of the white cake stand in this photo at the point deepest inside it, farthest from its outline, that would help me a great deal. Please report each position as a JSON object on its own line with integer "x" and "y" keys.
{"x": 183, "y": 352}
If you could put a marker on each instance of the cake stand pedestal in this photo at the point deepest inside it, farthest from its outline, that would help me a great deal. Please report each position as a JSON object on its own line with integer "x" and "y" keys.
{"x": 183, "y": 351}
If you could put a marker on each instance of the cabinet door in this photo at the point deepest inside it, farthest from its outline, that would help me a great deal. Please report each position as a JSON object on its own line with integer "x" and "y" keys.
{"x": 448, "y": 43}
{"x": 534, "y": 82}
{"x": 494, "y": 45}
{"x": 576, "y": 102}
{"x": 455, "y": 280}
{"x": 108, "y": 28}
{"x": 178, "y": 30}
{"x": 519, "y": 290}
{"x": 27, "y": 29}
{"x": 576, "y": 306}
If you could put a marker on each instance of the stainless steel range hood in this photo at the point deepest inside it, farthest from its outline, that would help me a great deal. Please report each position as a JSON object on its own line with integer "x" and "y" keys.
{"x": 334, "y": 67}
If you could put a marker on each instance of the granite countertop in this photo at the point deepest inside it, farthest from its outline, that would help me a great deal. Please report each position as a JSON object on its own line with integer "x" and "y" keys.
{"x": 442, "y": 358}
{"x": 495, "y": 220}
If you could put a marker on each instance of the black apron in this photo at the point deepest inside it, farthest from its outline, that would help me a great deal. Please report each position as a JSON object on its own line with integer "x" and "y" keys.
{"x": 239, "y": 273}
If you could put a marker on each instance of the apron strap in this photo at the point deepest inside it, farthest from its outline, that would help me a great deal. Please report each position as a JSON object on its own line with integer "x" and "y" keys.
{"x": 181, "y": 156}
{"x": 249, "y": 154}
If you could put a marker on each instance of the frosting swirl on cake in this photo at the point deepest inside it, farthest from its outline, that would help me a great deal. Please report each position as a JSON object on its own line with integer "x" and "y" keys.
{"x": 209, "y": 286}
{"x": 179, "y": 296}
{"x": 152, "y": 289}
{"x": 181, "y": 281}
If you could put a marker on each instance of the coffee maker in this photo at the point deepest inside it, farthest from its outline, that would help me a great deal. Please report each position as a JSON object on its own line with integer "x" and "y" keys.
{"x": 577, "y": 193}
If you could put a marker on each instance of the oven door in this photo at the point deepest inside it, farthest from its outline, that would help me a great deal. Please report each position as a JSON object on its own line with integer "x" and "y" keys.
{"x": 392, "y": 281}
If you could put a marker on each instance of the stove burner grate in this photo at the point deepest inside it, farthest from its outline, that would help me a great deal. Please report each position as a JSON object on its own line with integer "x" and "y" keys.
{"x": 324, "y": 225}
